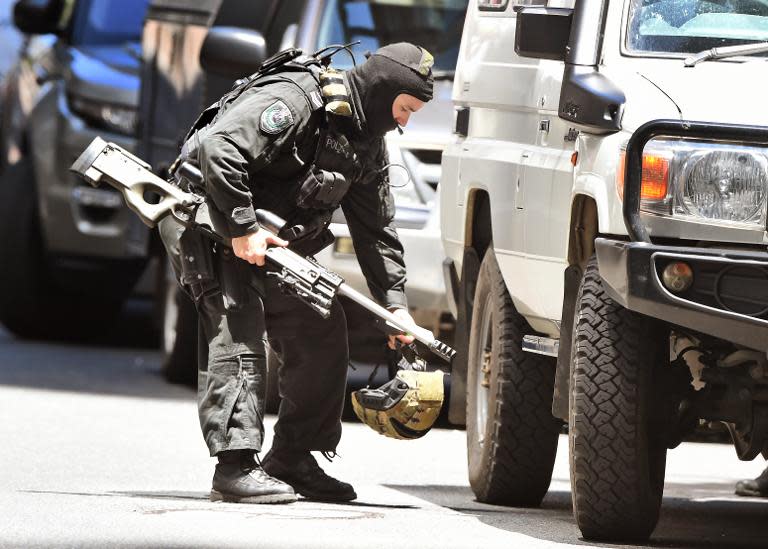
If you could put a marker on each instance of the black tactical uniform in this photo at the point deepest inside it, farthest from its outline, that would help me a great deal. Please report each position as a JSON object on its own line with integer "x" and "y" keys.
{"x": 298, "y": 141}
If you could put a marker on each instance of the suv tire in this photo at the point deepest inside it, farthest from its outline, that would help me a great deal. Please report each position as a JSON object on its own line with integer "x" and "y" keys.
{"x": 511, "y": 433}
{"x": 22, "y": 293}
{"x": 617, "y": 457}
{"x": 32, "y": 304}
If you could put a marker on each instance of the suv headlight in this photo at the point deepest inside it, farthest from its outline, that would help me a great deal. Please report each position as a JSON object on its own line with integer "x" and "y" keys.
{"x": 107, "y": 116}
{"x": 721, "y": 183}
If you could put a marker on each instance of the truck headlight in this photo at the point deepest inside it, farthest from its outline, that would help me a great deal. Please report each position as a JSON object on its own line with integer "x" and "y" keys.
{"x": 721, "y": 183}
{"x": 724, "y": 185}
{"x": 110, "y": 117}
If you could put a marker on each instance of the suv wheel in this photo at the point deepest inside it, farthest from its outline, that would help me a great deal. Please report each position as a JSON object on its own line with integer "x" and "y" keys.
{"x": 617, "y": 457}
{"x": 31, "y": 303}
{"x": 511, "y": 433}
{"x": 21, "y": 299}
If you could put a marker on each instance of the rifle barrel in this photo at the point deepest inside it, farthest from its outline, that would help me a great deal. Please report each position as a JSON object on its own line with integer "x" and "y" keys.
{"x": 420, "y": 334}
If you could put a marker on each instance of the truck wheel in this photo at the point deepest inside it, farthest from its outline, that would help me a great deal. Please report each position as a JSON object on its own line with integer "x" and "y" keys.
{"x": 511, "y": 434}
{"x": 178, "y": 331}
{"x": 617, "y": 456}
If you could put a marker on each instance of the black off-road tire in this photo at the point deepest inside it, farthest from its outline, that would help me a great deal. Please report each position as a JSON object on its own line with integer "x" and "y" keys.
{"x": 617, "y": 453}
{"x": 512, "y": 453}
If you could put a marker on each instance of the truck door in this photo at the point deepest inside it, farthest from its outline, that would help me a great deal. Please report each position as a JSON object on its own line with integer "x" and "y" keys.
{"x": 547, "y": 183}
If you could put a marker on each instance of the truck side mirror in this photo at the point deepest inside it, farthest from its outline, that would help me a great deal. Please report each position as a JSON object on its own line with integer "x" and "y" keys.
{"x": 38, "y": 16}
{"x": 233, "y": 52}
{"x": 542, "y": 33}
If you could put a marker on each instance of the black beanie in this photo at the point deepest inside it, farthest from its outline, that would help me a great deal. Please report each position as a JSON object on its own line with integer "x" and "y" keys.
{"x": 392, "y": 70}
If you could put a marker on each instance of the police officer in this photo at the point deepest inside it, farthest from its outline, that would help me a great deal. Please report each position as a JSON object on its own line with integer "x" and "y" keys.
{"x": 298, "y": 140}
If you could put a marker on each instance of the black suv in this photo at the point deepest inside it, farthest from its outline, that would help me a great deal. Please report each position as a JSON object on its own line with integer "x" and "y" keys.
{"x": 70, "y": 254}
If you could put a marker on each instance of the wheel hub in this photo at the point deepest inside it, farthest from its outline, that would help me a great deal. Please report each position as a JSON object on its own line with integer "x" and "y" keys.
{"x": 483, "y": 381}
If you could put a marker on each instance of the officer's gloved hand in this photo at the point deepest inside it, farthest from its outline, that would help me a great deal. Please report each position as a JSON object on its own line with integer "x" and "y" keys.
{"x": 322, "y": 189}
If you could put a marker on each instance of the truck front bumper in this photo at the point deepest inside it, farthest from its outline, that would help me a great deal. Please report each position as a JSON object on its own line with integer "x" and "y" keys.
{"x": 728, "y": 298}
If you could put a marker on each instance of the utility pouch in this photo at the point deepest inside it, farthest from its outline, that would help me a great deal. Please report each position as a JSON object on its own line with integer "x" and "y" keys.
{"x": 235, "y": 280}
{"x": 311, "y": 245}
{"x": 322, "y": 190}
{"x": 197, "y": 272}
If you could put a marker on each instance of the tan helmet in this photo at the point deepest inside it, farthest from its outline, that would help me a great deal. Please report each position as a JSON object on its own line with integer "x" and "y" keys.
{"x": 405, "y": 407}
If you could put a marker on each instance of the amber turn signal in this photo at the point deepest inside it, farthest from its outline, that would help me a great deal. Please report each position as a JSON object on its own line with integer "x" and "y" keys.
{"x": 655, "y": 176}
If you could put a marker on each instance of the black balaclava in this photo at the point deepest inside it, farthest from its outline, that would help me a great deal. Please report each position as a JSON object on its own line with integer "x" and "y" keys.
{"x": 392, "y": 70}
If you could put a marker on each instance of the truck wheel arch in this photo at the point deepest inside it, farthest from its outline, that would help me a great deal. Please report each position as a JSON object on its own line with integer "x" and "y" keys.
{"x": 479, "y": 234}
{"x": 479, "y": 228}
{"x": 584, "y": 228}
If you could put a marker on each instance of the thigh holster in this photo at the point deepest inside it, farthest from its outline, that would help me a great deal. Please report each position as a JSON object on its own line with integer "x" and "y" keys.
{"x": 197, "y": 273}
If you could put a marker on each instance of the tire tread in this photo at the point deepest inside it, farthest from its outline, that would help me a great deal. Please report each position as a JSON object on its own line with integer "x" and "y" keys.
{"x": 612, "y": 461}
{"x": 518, "y": 465}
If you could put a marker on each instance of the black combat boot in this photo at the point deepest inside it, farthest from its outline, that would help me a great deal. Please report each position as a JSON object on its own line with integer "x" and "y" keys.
{"x": 301, "y": 471}
{"x": 239, "y": 479}
{"x": 754, "y": 487}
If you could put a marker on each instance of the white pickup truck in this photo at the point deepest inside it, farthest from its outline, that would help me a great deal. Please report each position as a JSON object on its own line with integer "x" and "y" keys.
{"x": 603, "y": 210}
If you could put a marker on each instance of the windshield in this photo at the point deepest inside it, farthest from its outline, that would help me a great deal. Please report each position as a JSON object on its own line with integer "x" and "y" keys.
{"x": 690, "y": 26}
{"x": 433, "y": 24}
{"x": 108, "y": 21}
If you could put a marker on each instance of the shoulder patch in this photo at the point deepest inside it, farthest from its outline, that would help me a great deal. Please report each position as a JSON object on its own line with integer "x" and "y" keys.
{"x": 276, "y": 118}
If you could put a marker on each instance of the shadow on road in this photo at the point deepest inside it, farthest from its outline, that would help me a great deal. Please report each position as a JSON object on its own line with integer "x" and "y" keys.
{"x": 183, "y": 496}
{"x": 127, "y": 371}
{"x": 360, "y": 506}
{"x": 709, "y": 522}
{"x": 135, "y": 327}
{"x": 704, "y": 522}
{"x": 123, "y": 360}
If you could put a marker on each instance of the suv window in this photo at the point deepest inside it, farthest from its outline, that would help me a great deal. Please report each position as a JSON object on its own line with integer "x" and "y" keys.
{"x": 108, "y": 21}
{"x": 434, "y": 24}
{"x": 689, "y": 26}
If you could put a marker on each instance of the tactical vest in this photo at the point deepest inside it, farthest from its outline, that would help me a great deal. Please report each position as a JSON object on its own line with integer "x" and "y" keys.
{"x": 330, "y": 95}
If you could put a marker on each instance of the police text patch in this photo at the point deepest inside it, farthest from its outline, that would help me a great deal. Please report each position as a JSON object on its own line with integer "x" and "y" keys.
{"x": 276, "y": 118}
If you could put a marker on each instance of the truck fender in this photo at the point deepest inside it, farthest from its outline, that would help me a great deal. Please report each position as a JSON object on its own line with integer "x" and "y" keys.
{"x": 584, "y": 228}
{"x": 595, "y": 187}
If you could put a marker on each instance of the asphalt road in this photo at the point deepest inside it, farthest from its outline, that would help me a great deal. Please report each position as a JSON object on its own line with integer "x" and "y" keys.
{"x": 97, "y": 451}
